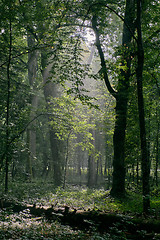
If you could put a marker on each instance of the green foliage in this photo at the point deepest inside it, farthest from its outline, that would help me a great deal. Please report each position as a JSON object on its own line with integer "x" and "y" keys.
{"x": 70, "y": 121}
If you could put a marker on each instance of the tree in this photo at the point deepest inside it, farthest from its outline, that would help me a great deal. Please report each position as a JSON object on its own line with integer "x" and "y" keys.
{"x": 144, "y": 149}
{"x": 8, "y": 99}
{"x": 121, "y": 96}
{"x": 32, "y": 76}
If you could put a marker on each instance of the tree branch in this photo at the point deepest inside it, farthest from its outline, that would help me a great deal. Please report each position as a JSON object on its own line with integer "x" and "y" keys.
{"x": 101, "y": 54}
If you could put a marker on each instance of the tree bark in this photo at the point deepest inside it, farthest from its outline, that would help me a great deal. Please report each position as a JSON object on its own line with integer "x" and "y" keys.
{"x": 8, "y": 103}
{"x": 118, "y": 185}
{"x": 31, "y": 132}
{"x": 50, "y": 90}
{"x": 144, "y": 149}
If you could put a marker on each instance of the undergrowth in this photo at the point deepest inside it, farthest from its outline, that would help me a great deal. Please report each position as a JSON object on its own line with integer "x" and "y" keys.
{"x": 79, "y": 197}
{"x": 25, "y": 226}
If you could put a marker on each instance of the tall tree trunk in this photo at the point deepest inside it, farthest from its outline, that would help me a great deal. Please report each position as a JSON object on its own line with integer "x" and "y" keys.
{"x": 137, "y": 172}
{"x": 144, "y": 150}
{"x": 157, "y": 147}
{"x": 8, "y": 103}
{"x": 118, "y": 185}
{"x": 157, "y": 156}
{"x": 121, "y": 96}
{"x": 91, "y": 170}
{"x": 50, "y": 90}
{"x": 31, "y": 132}
{"x": 29, "y": 159}
{"x": 66, "y": 160}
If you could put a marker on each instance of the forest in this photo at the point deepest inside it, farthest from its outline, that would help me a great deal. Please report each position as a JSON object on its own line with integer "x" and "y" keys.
{"x": 79, "y": 119}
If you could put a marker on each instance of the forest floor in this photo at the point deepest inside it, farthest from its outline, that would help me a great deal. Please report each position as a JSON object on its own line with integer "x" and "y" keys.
{"x": 39, "y": 211}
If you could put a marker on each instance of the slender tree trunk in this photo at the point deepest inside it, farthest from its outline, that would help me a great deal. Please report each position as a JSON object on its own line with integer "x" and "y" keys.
{"x": 8, "y": 103}
{"x": 106, "y": 165}
{"x": 31, "y": 132}
{"x": 97, "y": 172}
{"x": 157, "y": 155}
{"x": 91, "y": 164}
{"x": 144, "y": 150}
{"x": 79, "y": 159}
{"x": 137, "y": 171}
{"x": 66, "y": 160}
{"x": 157, "y": 148}
{"x": 29, "y": 159}
{"x": 91, "y": 171}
